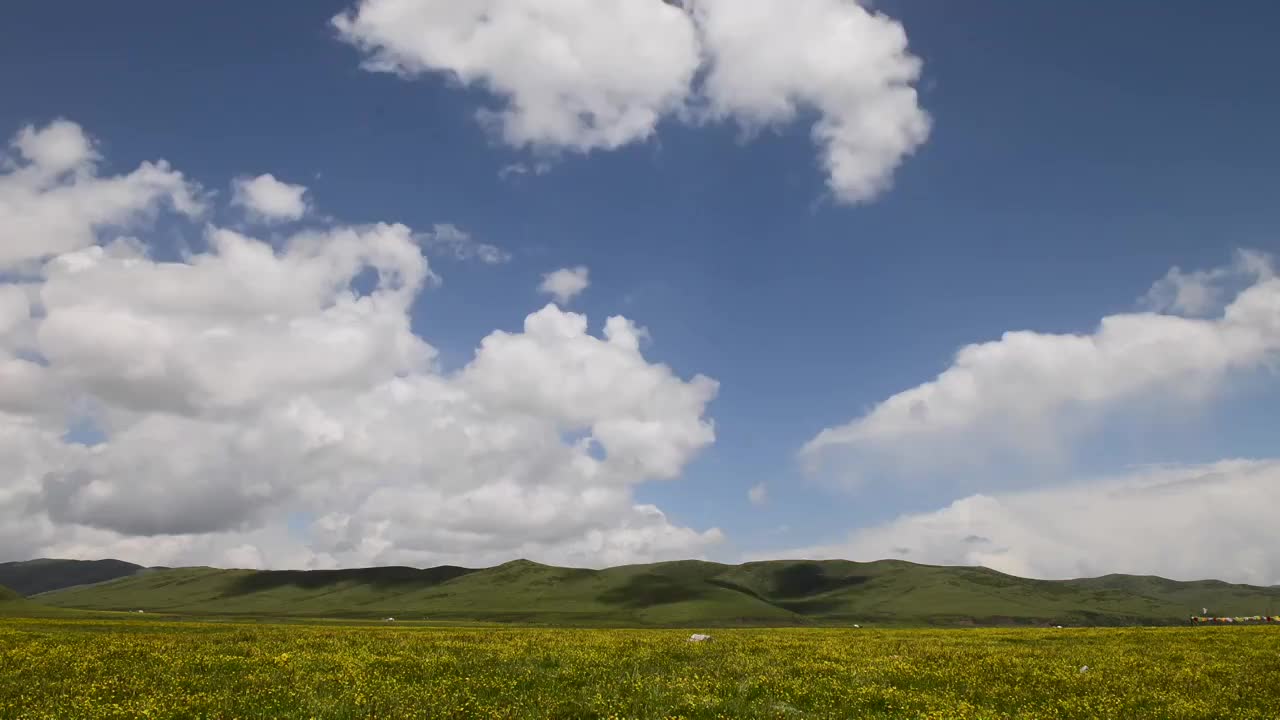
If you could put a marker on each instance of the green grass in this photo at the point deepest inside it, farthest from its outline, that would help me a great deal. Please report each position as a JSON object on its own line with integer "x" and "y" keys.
{"x": 782, "y": 593}
{"x": 54, "y": 669}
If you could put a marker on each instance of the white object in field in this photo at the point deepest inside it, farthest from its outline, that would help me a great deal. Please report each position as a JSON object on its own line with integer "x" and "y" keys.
{"x": 857, "y": 625}
{"x": 1058, "y": 626}
{"x": 1084, "y": 669}
{"x": 699, "y": 637}
{"x": 389, "y": 620}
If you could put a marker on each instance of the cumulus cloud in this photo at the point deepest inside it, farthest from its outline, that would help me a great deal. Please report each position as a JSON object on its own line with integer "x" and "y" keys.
{"x": 758, "y": 494}
{"x": 566, "y": 283}
{"x": 268, "y": 199}
{"x": 581, "y": 75}
{"x": 52, "y": 199}
{"x": 570, "y": 74}
{"x": 257, "y": 381}
{"x": 1028, "y": 392}
{"x": 1204, "y": 521}
{"x": 446, "y": 239}
{"x": 769, "y": 59}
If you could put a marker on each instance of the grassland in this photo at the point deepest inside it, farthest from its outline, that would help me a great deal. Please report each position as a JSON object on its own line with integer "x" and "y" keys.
{"x": 58, "y": 669}
{"x": 783, "y": 593}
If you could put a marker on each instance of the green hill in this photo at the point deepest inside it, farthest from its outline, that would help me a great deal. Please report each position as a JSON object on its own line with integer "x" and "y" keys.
{"x": 681, "y": 593}
{"x": 8, "y": 596}
{"x": 32, "y": 577}
{"x": 12, "y": 604}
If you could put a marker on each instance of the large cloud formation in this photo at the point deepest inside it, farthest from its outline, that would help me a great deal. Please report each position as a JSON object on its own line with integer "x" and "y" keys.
{"x": 582, "y": 75}
{"x": 268, "y": 404}
{"x": 1033, "y": 397}
{"x": 1032, "y": 392}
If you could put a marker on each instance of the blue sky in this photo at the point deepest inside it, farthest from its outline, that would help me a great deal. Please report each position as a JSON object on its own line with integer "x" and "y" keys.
{"x": 1075, "y": 155}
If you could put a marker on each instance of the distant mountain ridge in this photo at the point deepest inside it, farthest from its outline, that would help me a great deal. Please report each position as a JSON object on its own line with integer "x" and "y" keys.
{"x": 32, "y": 577}
{"x": 681, "y": 593}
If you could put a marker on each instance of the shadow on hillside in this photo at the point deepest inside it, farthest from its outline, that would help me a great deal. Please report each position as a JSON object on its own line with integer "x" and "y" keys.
{"x": 649, "y": 589}
{"x": 378, "y": 577}
{"x": 804, "y": 579}
{"x": 33, "y": 577}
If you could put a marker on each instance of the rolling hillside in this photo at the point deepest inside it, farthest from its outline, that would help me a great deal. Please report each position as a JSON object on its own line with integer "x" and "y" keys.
{"x": 32, "y": 577}
{"x": 12, "y": 604}
{"x": 674, "y": 593}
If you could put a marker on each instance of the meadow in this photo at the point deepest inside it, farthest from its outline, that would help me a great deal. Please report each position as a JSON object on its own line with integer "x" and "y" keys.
{"x": 158, "y": 668}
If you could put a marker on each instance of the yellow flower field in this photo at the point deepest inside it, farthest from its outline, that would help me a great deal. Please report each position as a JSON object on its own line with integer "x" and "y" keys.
{"x": 81, "y": 669}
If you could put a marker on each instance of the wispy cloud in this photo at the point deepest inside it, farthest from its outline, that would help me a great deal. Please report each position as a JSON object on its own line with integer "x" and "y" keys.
{"x": 452, "y": 241}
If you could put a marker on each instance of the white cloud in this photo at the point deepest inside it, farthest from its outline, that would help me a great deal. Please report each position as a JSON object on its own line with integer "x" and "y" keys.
{"x": 768, "y": 59}
{"x": 257, "y": 381}
{"x": 15, "y": 309}
{"x": 268, "y": 199}
{"x": 52, "y": 199}
{"x": 1028, "y": 393}
{"x": 571, "y": 74}
{"x": 598, "y": 74}
{"x": 235, "y": 328}
{"x": 451, "y": 240}
{"x": 20, "y": 371}
{"x": 1182, "y": 522}
{"x": 758, "y": 494}
{"x": 566, "y": 283}
{"x": 61, "y": 146}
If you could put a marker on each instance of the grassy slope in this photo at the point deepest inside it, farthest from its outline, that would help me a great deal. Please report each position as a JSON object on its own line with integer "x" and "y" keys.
{"x": 675, "y": 593}
{"x": 32, "y": 577}
{"x": 12, "y": 604}
{"x": 518, "y": 591}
